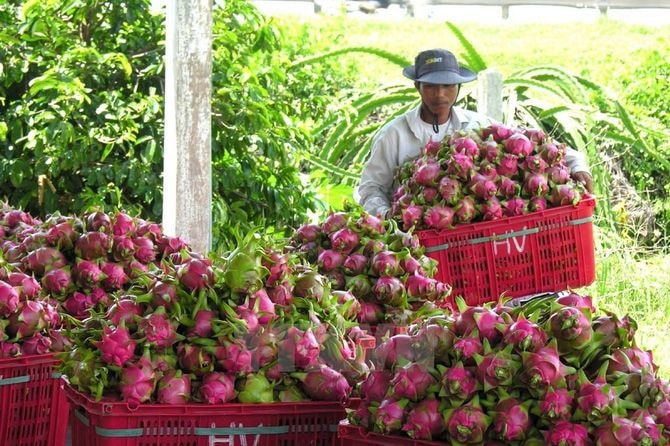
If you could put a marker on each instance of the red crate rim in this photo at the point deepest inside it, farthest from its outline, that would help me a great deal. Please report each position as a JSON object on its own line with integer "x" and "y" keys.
{"x": 586, "y": 202}
{"x": 29, "y": 360}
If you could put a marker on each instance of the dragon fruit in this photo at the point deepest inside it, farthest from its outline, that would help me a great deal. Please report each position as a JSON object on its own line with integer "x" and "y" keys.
{"x": 620, "y": 431}
{"x": 467, "y": 424}
{"x": 564, "y": 194}
{"x": 390, "y": 416}
{"x": 571, "y": 327}
{"x": 43, "y": 259}
{"x": 193, "y": 359}
{"x": 116, "y": 346}
{"x": 323, "y": 383}
{"x": 390, "y": 291}
{"x": 597, "y": 400}
{"x": 37, "y": 344}
{"x": 482, "y": 187}
{"x": 424, "y": 421}
{"x": 174, "y": 388}
{"x": 450, "y": 190}
{"x": 490, "y": 151}
{"x": 57, "y": 282}
{"x": 566, "y": 433}
{"x": 28, "y": 286}
{"x": 465, "y": 210}
{"x": 556, "y": 404}
{"x": 145, "y": 250}
{"x": 460, "y": 166}
{"x": 525, "y": 335}
{"x": 428, "y": 173}
{"x": 491, "y": 209}
{"x": 543, "y": 368}
{"x": 333, "y": 222}
{"x": 412, "y": 382}
{"x": 515, "y": 206}
{"x": 497, "y": 368}
{"x": 508, "y": 166}
{"x": 93, "y": 245}
{"x": 411, "y": 216}
{"x": 9, "y": 299}
{"x": 518, "y": 144}
{"x": 158, "y": 330}
{"x": 196, "y": 274}
{"x": 217, "y": 388}
{"x": 439, "y": 217}
{"x": 536, "y": 185}
{"x": 458, "y": 383}
{"x": 511, "y": 420}
{"x": 138, "y": 382}
{"x": 28, "y": 319}
{"x": 344, "y": 240}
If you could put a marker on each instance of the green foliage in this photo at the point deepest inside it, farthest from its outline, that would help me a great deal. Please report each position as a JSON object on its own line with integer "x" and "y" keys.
{"x": 80, "y": 100}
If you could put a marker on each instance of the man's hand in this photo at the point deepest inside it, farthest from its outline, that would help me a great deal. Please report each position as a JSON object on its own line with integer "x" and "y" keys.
{"x": 584, "y": 178}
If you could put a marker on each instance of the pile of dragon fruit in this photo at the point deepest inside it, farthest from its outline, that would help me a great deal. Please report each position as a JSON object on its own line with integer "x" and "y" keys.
{"x": 552, "y": 372}
{"x": 374, "y": 262}
{"x": 142, "y": 318}
{"x": 486, "y": 174}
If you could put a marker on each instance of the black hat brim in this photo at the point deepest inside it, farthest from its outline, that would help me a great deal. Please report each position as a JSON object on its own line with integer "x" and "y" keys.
{"x": 441, "y": 77}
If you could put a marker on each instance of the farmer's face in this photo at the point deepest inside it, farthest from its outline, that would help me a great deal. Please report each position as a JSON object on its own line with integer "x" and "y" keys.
{"x": 438, "y": 98}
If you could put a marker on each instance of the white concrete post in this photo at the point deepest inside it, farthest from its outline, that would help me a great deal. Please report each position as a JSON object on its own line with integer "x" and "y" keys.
{"x": 489, "y": 94}
{"x": 187, "y": 182}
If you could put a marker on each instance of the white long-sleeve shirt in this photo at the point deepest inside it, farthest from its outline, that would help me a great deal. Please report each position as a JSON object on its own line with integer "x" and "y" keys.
{"x": 402, "y": 139}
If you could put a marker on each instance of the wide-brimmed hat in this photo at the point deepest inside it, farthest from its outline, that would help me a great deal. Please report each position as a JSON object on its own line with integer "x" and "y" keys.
{"x": 438, "y": 66}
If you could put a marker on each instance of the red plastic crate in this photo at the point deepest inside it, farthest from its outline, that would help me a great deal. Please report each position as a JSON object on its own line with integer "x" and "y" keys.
{"x": 546, "y": 251}
{"x": 33, "y": 406}
{"x": 357, "y": 436}
{"x": 116, "y": 424}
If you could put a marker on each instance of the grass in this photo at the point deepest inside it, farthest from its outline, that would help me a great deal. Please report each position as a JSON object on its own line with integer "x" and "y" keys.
{"x": 629, "y": 281}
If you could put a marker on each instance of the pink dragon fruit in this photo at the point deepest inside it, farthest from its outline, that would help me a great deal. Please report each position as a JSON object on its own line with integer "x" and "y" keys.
{"x": 412, "y": 382}
{"x": 428, "y": 173}
{"x": 564, "y": 194}
{"x": 511, "y": 420}
{"x": 552, "y": 153}
{"x": 464, "y": 144}
{"x": 370, "y": 225}
{"x": 491, "y": 209}
{"x": 411, "y": 216}
{"x": 322, "y": 383}
{"x": 536, "y": 185}
{"x": 87, "y": 274}
{"x": 428, "y": 196}
{"x": 630, "y": 360}
{"x": 217, "y": 388}
{"x": 344, "y": 240}
{"x": 334, "y": 221}
{"x": 123, "y": 248}
{"x": 390, "y": 291}
{"x": 490, "y": 151}
{"x": 98, "y": 221}
{"x": 43, "y": 259}
{"x": 487, "y": 322}
{"x": 466, "y": 348}
{"x": 145, "y": 250}
{"x": 28, "y": 286}
{"x": 303, "y": 346}
{"x": 237, "y": 357}
{"x": 449, "y": 189}
{"x": 308, "y": 232}
{"x": 28, "y": 319}
{"x": 125, "y": 310}
{"x": 558, "y": 174}
{"x": 499, "y": 132}
{"x": 123, "y": 224}
{"x": 138, "y": 382}
{"x": 376, "y": 385}
{"x": 261, "y": 303}
{"x": 525, "y": 335}
{"x": 355, "y": 263}
{"x": 390, "y": 416}
{"x": 115, "y": 277}
{"x": 596, "y": 400}
{"x": 623, "y": 431}
{"x": 424, "y": 421}
{"x": 556, "y": 404}
{"x": 571, "y": 327}
{"x": 566, "y": 433}
{"x": 439, "y": 217}
{"x": 535, "y": 135}
{"x": 515, "y": 206}
{"x": 116, "y": 346}
{"x": 537, "y": 204}
{"x": 460, "y": 166}
{"x": 57, "y": 282}
{"x": 370, "y": 313}
{"x": 37, "y": 344}
{"x": 9, "y": 299}
{"x": 497, "y": 368}
{"x": 508, "y": 187}
{"x": 158, "y": 329}
{"x": 465, "y": 210}
{"x": 193, "y": 359}
{"x": 93, "y": 245}
{"x": 459, "y": 383}
{"x": 330, "y": 260}
{"x": 431, "y": 148}
{"x": 163, "y": 294}
{"x": 196, "y": 274}
{"x": 534, "y": 164}
{"x": 174, "y": 388}
{"x": 467, "y": 424}
{"x": 482, "y": 187}
{"x": 543, "y": 368}
{"x": 78, "y": 305}
{"x": 508, "y": 166}
{"x": 518, "y": 144}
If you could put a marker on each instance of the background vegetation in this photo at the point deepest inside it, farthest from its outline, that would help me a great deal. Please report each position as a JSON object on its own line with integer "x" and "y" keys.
{"x": 296, "y": 102}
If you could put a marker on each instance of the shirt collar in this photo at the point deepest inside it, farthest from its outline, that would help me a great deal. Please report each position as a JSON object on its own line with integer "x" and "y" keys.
{"x": 458, "y": 120}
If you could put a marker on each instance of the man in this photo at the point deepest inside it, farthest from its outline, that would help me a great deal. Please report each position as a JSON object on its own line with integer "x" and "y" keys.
{"x": 437, "y": 77}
